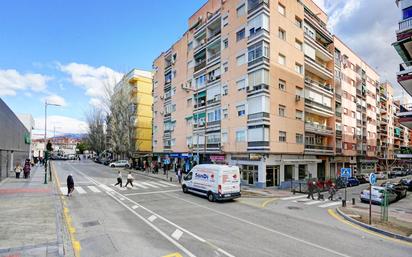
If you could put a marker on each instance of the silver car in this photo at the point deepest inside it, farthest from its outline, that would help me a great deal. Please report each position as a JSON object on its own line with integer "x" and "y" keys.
{"x": 120, "y": 163}
{"x": 377, "y": 195}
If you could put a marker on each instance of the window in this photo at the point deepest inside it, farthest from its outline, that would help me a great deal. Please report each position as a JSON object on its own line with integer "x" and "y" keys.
{"x": 190, "y": 45}
{"x": 282, "y": 85}
{"x": 298, "y": 22}
{"x": 353, "y": 115}
{"x": 224, "y": 137}
{"x": 407, "y": 13}
{"x": 241, "y": 84}
{"x": 298, "y": 45}
{"x": 240, "y": 34}
{"x": 282, "y": 34}
{"x": 241, "y": 10}
{"x": 258, "y": 77}
{"x": 200, "y": 81}
{"x": 281, "y": 9}
{"x": 189, "y": 102}
{"x": 213, "y": 115}
{"x": 299, "y": 139}
{"x": 241, "y": 111}
{"x": 345, "y": 111}
{"x": 225, "y": 43}
{"x": 240, "y": 59}
{"x": 299, "y": 91}
{"x": 225, "y": 67}
{"x": 189, "y": 141}
{"x": 298, "y": 68}
{"x": 240, "y": 136}
{"x": 299, "y": 115}
{"x": 173, "y": 142}
{"x": 225, "y": 20}
{"x": 225, "y": 90}
{"x": 282, "y": 136}
{"x": 258, "y": 50}
{"x": 282, "y": 59}
{"x": 225, "y": 113}
{"x": 282, "y": 110}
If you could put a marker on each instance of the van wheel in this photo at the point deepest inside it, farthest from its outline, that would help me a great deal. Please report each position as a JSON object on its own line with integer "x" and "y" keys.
{"x": 211, "y": 197}
{"x": 112, "y": 166}
{"x": 185, "y": 189}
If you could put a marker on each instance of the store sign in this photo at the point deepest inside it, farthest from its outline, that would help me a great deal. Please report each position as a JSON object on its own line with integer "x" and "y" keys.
{"x": 255, "y": 157}
{"x": 217, "y": 158}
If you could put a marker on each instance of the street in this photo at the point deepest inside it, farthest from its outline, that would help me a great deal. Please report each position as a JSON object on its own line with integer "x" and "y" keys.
{"x": 155, "y": 218}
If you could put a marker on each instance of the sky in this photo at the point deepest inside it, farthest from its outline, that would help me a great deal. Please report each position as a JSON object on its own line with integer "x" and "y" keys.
{"x": 65, "y": 52}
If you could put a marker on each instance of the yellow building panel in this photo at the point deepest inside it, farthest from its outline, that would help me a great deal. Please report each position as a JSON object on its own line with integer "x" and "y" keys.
{"x": 144, "y": 146}
{"x": 143, "y": 122}
{"x": 143, "y": 134}
{"x": 144, "y": 99}
{"x": 144, "y": 110}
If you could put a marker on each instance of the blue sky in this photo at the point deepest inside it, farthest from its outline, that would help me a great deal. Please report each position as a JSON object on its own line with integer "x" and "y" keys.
{"x": 63, "y": 50}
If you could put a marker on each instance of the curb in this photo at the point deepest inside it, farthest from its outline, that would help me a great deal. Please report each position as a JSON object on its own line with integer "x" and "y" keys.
{"x": 150, "y": 176}
{"x": 374, "y": 229}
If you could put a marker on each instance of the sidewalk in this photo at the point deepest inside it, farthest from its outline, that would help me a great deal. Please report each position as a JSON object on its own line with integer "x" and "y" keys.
{"x": 31, "y": 218}
{"x": 246, "y": 190}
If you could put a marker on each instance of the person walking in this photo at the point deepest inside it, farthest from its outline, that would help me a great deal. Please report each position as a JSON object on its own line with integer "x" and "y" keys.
{"x": 70, "y": 185}
{"x": 179, "y": 174}
{"x": 311, "y": 188}
{"x": 18, "y": 169}
{"x": 129, "y": 179}
{"x": 332, "y": 191}
{"x": 119, "y": 179}
{"x": 26, "y": 169}
{"x": 319, "y": 188}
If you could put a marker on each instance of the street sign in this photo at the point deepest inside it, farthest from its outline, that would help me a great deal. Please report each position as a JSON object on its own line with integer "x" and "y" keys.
{"x": 372, "y": 178}
{"x": 346, "y": 172}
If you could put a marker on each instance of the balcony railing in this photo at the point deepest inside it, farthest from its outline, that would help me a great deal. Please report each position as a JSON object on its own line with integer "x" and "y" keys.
{"x": 405, "y": 24}
{"x": 200, "y": 65}
{"x": 311, "y": 102}
{"x": 256, "y": 4}
{"x": 258, "y": 88}
{"x": 214, "y": 34}
{"x": 213, "y": 57}
{"x": 319, "y": 148}
{"x": 327, "y": 87}
{"x": 258, "y": 60}
{"x": 258, "y": 143}
{"x": 317, "y": 128}
{"x": 259, "y": 115}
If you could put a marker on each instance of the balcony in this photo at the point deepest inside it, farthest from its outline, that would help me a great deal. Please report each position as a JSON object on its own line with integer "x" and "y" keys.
{"x": 318, "y": 25}
{"x": 258, "y": 145}
{"x": 321, "y": 51}
{"x": 325, "y": 88}
{"x": 318, "y": 149}
{"x": 338, "y": 133}
{"x": 405, "y": 76}
{"x": 318, "y": 129}
{"x": 318, "y": 108}
{"x": 338, "y": 97}
{"x": 317, "y": 68}
{"x": 213, "y": 57}
{"x": 405, "y": 115}
{"x": 259, "y": 60}
{"x": 257, "y": 33}
{"x": 405, "y": 25}
{"x": 254, "y": 5}
{"x": 200, "y": 65}
{"x": 213, "y": 36}
{"x": 261, "y": 88}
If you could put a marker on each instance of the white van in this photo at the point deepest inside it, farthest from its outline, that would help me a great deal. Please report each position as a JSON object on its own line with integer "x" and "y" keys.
{"x": 217, "y": 182}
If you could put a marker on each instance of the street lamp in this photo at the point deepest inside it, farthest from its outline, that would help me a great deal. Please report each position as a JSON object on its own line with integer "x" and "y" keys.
{"x": 45, "y": 137}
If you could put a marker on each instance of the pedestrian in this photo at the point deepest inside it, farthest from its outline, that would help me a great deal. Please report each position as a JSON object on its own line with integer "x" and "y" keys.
{"x": 332, "y": 191}
{"x": 70, "y": 185}
{"x": 311, "y": 187}
{"x": 179, "y": 174}
{"x": 18, "y": 169}
{"x": 119, "y": 179}
{"x": 129, "y": 179}
{"x": 26, "y": 169}
{"x": 319, "y": 188}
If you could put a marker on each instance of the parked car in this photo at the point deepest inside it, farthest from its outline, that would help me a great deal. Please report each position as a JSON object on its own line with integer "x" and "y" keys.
{"x": 363, "y": 179}
{"x": 120, "y": 163}
{"x": 380, "y": 175}
{"x": 407, "y": 183}
{"x": 352, "y": 182}
{"x": 377, "y": 195}
{"x": 398, "y": 172}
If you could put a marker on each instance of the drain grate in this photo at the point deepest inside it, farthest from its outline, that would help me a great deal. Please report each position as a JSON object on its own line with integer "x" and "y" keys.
{"x": 90, "y": 223}
{"x": 294, "y": 208}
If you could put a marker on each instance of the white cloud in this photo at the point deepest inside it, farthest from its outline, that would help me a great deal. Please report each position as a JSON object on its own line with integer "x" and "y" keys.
{"x": 55, "y": 99}
{"x": 341, "y": 12}
{"x": 94, "y": 80}
{"x": 63, "y": 124}
{"x": 12, "y": 81}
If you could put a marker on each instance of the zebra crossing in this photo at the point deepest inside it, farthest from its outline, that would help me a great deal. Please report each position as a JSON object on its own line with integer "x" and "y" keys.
{"x": 137, "y": 186}
{"x": 302, "y": 199}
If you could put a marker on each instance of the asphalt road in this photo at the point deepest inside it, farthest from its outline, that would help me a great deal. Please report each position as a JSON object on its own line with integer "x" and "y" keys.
{"x": 156, "y": 219}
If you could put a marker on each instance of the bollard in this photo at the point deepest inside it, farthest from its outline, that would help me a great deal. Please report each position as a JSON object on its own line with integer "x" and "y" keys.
{"x": 294, "y": 191}
{"x": 353, "y": 201}
{"x": 343, "y": 203}
{"x": 170, "y": 179}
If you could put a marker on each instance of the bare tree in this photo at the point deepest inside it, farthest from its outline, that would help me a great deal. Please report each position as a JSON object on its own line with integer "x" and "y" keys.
{"x": 96, "y": 132}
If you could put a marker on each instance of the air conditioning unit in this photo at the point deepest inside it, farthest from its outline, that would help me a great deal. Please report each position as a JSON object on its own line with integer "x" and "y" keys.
{"x": 297, "y": 98}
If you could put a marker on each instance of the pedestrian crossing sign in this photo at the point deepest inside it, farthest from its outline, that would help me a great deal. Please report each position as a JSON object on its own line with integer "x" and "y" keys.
{"x": 346, "y": 172}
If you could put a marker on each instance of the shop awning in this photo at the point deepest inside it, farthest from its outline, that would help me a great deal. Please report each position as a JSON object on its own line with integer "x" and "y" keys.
{"x": 199, "y": 115}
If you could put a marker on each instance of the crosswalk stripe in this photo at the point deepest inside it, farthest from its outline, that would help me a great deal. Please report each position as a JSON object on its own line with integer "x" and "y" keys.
{"x": 293, "y": 197}
{"x": 329, "y": 204}
{"x": 167, "y": 183}
{"x": 177, "y": 234}
{"x": 141, "y": 186}
{"x": 158, "y": 184}
{"x": 316, "y": 202}
{"x": 301, "y": 200}
{"x": 63, "y": 190}
{"x": 152, "y": 218}
{"x": 94, "y": 189}
{"x": 148, "y": 184}
{"x": 106, "y": 188}
{"x": 80, "y": 190}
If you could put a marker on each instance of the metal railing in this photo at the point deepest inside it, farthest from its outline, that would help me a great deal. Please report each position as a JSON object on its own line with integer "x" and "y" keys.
{"x": 327, "y": 87}
{"x": 318, "y": 147}
{"x": 311, "y": 102}
{"x": 254, "y": 5}
{"x": 405, "y": 24}
{"x": 200, "y": 65}
{"x": 314, "y": 126}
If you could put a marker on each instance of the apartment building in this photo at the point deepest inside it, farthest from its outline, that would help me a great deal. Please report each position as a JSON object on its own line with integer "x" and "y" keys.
{"x": 139, "y": 86}
{"x": 385, "y": 122}
{"x": 404, "y": 48}
{"x": 265, "y": 86}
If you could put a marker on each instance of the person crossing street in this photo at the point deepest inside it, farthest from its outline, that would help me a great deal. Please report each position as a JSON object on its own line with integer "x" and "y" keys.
{"x": 119, "y": 179}
{"x": 129, "y": 179}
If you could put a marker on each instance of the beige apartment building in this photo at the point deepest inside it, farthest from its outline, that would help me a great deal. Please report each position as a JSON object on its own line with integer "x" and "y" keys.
{"x": 386, "y": 120}
{"x": 252, "y": 83}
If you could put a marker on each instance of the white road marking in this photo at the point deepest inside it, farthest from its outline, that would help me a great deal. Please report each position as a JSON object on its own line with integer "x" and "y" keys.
{"x": 106, "y": 188}
{"x": 292, "y": 197}
{"x": 135, "y": 207}
{"x": 94, "y": 189}
{"x": 63, "y": 190}
{"x": 167, "y": 183}
{"x": 329, "y": 204}
{"x": 152, "y": 218}
{"x": 158, "y": 184}
{"x": 302, "y": 200}
{"x": 154, "y": 192}
{"x": 316, "y": 202}
{"x": 121, "y": 199}
{"x": 80, "y": 190}
{"x": 141, "y": 186}
{"x": 148, "y": 184}
{"x": 177, "y": 234}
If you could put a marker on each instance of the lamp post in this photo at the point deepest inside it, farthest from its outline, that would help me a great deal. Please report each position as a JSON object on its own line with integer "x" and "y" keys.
{"x": 45, "y": 137}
